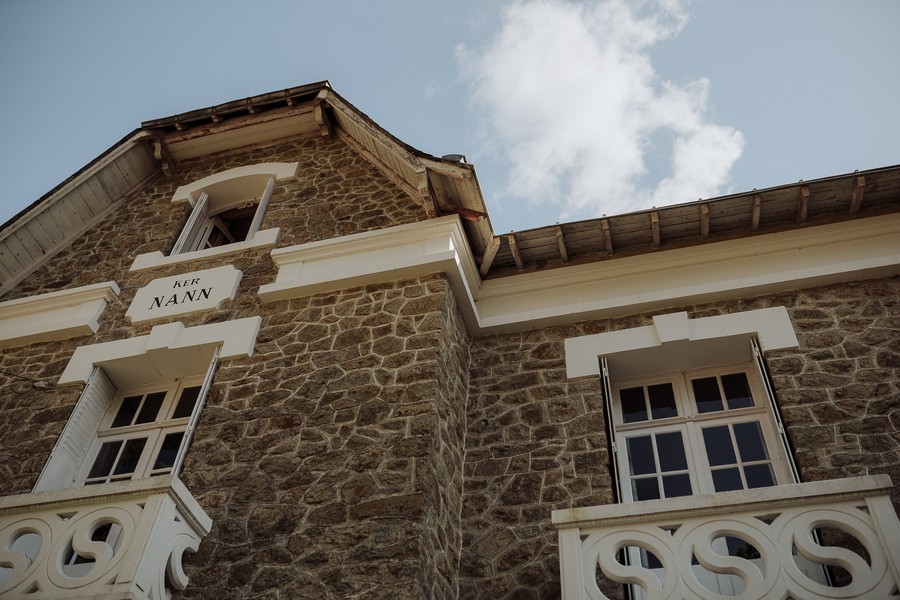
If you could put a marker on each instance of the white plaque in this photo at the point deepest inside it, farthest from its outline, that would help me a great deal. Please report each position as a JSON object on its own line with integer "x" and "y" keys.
{"x": 184, "y": 294}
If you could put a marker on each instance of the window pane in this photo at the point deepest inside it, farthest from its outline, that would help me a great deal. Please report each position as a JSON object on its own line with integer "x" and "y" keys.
{"x": 737, "y": 390}
{"x": 727, "y": 479}
{"x": 719, "y": 449}
{"x": 105, "y": 459}
{"x": 677, "y": 485}
{"x": 640, "y": 455}
{"x": 671, "y": 452}
{"x": 750, "y": 441}
{"x": 645, "y": 489}
{"x": 131, "y": 454}
{"x": 633, "y": 407}
{"x": 706, "y": 392}
{"x": 151, "y": 407}
{"x": 759, "y": 475}
{"x": 662, "y": 401}
{"x": 166, "y": 457}
{"x": 186, "y": 402}
{"x": 126, "y": 413}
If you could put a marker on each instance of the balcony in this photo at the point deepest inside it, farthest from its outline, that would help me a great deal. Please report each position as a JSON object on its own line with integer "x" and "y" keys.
{"x": 782, "y": 557}
{"x": 119, "y": 540}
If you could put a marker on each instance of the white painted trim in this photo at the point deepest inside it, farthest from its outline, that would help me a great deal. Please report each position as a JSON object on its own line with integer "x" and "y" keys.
{"x": 169, "y": 351}
{"x": 221, "y": 284}
{"x": 763, "y": 264}
{"x": 56, "y": 315}
{"x": 757, "y": 265}
{"x": 263, "y": 171}
{"x": 151, "y": 260}
{"x": 411, "y": 250}
{"x": 771, "y": 325}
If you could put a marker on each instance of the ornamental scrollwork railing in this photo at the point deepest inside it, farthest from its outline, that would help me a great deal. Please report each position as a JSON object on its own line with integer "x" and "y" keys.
{"x": 123, "y": 539}
{"x": 835, "y": 539}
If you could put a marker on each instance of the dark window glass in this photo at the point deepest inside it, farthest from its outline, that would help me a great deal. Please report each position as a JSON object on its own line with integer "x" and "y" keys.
{"x": 640, "y": 455}
{"x": 727, "y": 479}
{"x": 738, "y": 547}
{"x": 662, "y": 401}
{"x": 719, "y": 449}
{"x": 750, "y": 441}
{"x": 677, "y": 485}
{"x": 131, "y": 454}
{"x": 645, "y": 489}
{"x": 105, "y": 459}
{"x": 634, "y": 409}
{"x": 186, "y": 402}
{"x": 759, "y": 475}
{"x": 671, "y": 452}
{"x": 706, "y": 392}
{"x": 127, "y": 410}
{"x": 151, "y": 407}
{"x": 166, "y": 457}
{"x": 737, "y": 390}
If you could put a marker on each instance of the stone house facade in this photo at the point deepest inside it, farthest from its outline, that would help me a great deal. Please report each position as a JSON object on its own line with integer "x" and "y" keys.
{"x": 386, "y": 399}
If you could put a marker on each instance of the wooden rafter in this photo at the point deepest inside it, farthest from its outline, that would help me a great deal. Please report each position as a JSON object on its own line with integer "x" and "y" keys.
{"x": 385, "y": 170}
{"x": 803, "y": 204}
{"x": 757, "y": 210}
{"x": 323, "y": 121}
{"x": 857, "y": 196}
{"x": 489, "y": 253}
{"x": 561, "y": 242}
{"x": 704, "y": 221}
{"x": 607, "y": 236}
{"x": 514, "y": 248}
{"x": 654, "y": 225}
{"x": 161, "y": 154}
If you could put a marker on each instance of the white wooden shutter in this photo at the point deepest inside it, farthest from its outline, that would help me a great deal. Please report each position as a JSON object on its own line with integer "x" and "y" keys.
{"x": 610, "y": 429}
{"x": 261, "y": 209}
{"x": 68, "y": 456}
{"x": 763, "y": 373}
{"x": 195, "y": 415}
{"x": 187, "y": 241}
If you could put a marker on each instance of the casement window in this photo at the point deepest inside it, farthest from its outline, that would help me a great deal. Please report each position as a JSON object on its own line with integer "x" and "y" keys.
{"x": 213, "y": 223}
{"x": 695, "y": 432}
{"x": 142, "y": 433}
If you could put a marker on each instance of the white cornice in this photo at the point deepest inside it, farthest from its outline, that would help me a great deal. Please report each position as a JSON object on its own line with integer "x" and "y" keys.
{"x": 55, "y": 316}
{"x": 763, "y": 264}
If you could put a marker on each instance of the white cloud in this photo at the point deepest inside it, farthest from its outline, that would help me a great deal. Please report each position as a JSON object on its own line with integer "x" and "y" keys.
{"x": 570, "y": 97}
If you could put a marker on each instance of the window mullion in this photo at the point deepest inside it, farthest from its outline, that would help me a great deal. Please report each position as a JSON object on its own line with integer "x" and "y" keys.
{"x": 261, "y": 209}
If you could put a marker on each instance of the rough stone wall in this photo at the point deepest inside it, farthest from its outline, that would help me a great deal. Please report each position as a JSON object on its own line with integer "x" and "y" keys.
{"x": 317, "y": 458}
{"x": 536, "y": 442}
{"x": 330, "y": 460}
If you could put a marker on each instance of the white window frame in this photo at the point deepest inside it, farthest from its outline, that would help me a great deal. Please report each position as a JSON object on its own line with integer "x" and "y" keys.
{"x": 690, "y": 423}
{"x": 168, "y": 353}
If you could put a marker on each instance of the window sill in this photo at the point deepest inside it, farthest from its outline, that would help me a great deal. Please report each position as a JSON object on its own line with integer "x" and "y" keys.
{"x": 151, "y": 260}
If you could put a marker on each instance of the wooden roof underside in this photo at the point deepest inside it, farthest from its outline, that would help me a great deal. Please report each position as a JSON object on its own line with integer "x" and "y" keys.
{"x": 780, "y": 208}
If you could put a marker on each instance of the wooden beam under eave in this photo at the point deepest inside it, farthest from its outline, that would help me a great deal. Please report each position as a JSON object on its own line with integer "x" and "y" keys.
{"x": 857, "y": 196}
{"x": 161, "y": 153}
{"x": 561, "y": 242}
{"x": 383, "y": 168}
{"x": 757, "y": 210}
{"x": 654, "y": 226}
{"x": 326, "y": 129}
{"x": 704, "y": 221}
{"x": 607, "y": 236}
{"x": 803, "y": 205}
{"x": 514, "y": 248}
{"x": 489, "y": 253}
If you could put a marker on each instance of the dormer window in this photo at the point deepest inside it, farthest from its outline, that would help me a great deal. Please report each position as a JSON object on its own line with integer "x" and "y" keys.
{"x": 228, "y": 207}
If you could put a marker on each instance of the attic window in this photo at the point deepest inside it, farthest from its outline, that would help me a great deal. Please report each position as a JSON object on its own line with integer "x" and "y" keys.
{"x": 228, "y": 207}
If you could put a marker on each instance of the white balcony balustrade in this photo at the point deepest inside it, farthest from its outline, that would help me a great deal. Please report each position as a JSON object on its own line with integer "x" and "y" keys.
{"x": 119, "y": 540}
{"x": 778, "y": 555}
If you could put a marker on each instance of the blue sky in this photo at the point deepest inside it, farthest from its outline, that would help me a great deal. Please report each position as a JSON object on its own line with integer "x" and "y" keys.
{"x": 568, "y": 110}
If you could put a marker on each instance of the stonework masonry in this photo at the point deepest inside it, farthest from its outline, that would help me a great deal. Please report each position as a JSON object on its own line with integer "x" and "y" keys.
{"x": 371, "y": 447}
